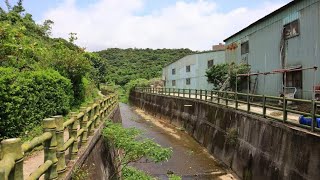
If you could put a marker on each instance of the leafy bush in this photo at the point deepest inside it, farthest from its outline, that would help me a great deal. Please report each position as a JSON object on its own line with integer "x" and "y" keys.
{"x": 130, "y": 173}
{"x": 137, "y": 83}
{"x": 133, "y": 146}
{"x": 232, "y": 136}
{"x": 28, "y": 97}
{"x": 219, "y": 73}
{"x": 40, "y": 76}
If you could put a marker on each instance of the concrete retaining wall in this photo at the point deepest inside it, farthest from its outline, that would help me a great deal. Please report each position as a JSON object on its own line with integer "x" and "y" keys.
{"x": 264, "y": 149}
{"x": 98, "y": 160}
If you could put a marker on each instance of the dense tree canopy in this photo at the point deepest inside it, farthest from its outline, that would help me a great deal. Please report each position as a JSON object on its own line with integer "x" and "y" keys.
{"x": 40, "y": 76}
{"x": 124, "y": 65}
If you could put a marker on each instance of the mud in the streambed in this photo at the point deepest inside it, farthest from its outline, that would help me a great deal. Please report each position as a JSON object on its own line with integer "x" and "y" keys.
{"x": 189, "y": 159}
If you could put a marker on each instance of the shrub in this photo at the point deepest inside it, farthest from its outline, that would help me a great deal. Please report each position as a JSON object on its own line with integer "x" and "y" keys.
{"x": 30, "y": 96}
{"x": 137, "y": 83}
{"x": 219, "y": 73}
{"x": 232, "y": 136}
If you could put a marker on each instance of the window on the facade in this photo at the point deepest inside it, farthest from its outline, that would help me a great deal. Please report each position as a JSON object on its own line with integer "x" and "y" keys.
{"x": 292, "y": 29}
{"x": 294, "y": 79}
{"x": 173, "y": 71}
{"x": 188, "y": 68}
{"x": 245, "y": 48}
{"x": 188, "y": 81}
{"x": 210, "y": 63}
{"x": 173, "y": 82}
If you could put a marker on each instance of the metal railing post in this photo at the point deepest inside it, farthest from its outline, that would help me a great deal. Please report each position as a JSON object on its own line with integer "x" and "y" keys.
{"x": 196, "y": 94}
{"x": 248, "y": 102}
{"x": 264, "y": 109}
{"x": 169, "y": 91}
{"x": 211, "y": 95}
{"x": 236, "y": 100}
{"x": 226, "y": 97}
{"x": 50, "y": 148}
{"x": 314, "y": 120}
{"x": 189, "y": 93}
{"x": 178, "y": 92}
{"x": 285, "y": 113}
{"x": 218, "y": 95}
{"x": 200, "y": 94}
{"x": 206, "y": 95}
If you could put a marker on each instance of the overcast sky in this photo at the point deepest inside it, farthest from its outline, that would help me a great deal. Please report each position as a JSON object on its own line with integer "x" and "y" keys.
{"x": 194, "y": 24}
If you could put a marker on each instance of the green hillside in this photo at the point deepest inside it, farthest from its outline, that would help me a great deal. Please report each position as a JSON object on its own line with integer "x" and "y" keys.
{"x": 40, "y": 76}
{"x": 124, "y": 65}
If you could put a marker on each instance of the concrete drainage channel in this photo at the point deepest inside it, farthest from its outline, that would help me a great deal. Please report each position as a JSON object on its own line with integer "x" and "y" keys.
{"x": 189, "y": 159}
{"x": 252, "y": 146}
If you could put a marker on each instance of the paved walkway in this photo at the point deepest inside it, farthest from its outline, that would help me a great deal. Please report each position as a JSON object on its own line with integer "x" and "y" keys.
{"x": 294, "y": 118}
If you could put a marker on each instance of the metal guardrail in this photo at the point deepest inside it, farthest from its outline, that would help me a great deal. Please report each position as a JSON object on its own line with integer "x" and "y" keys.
{"x": 80, "y": 126}
{"x": 227, "y": 97}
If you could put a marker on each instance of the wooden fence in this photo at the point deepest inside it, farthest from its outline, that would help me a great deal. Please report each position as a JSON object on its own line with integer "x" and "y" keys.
{"x": 80, "y": 126}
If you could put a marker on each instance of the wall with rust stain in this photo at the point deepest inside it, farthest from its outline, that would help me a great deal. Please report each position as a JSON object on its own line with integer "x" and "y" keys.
{"x": 265, "y": 149}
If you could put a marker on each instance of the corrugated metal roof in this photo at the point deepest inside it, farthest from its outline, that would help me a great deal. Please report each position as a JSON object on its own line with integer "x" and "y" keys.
{"x": 266, "y": 17}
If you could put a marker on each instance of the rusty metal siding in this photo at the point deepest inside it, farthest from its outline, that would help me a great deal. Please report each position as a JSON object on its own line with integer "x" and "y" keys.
{"x": 264, "y": 43}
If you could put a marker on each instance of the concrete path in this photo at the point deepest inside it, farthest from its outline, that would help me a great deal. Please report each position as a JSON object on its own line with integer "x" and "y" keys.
{"x": 294, "y": 118}
{"x": 189, "y": 159}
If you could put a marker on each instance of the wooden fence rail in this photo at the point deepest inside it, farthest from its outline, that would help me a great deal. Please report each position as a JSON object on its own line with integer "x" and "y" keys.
{"x": 235, "y": 99}
{"x": 79, "y": 126}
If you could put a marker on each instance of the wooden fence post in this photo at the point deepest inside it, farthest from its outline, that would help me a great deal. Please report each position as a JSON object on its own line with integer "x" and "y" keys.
{"x": 84, "y": 137}
{"x": 50, "y": 148}
{"x": 12, "y": 146}
{"x": 61, "y": 164}
{"x": 73, "y": 128}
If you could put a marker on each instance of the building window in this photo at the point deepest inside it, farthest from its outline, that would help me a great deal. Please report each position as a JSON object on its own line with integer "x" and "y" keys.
{"x": 188, "y": 68}
{"x": 294, "y": 79}
{"x": 173, "y": 82}
{"x": 173, "y": 71}
{"x": 291, "y": 30}
{"x": 188, "y": 81}
{"x": 210, "y": 63}
{"x": 245, "y": 48}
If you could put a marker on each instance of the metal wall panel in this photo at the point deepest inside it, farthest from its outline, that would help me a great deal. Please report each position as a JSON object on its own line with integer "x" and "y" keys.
{"x": 264, "y": 46}
{"x": 198, "y": 64}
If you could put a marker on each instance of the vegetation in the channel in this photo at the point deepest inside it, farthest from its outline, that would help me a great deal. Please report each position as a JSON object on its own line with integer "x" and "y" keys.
{"x": 80, "y": 173}
{"x": 232, "y": 136}
{"x": 132, "y": 147}
{"x": 40, "y": 76}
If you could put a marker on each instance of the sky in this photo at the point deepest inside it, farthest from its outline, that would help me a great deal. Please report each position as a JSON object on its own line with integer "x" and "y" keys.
{"x": 193, "y": 24}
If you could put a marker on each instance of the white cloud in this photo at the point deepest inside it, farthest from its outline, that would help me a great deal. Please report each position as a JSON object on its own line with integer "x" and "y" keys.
{"x": 114, "y": 23}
